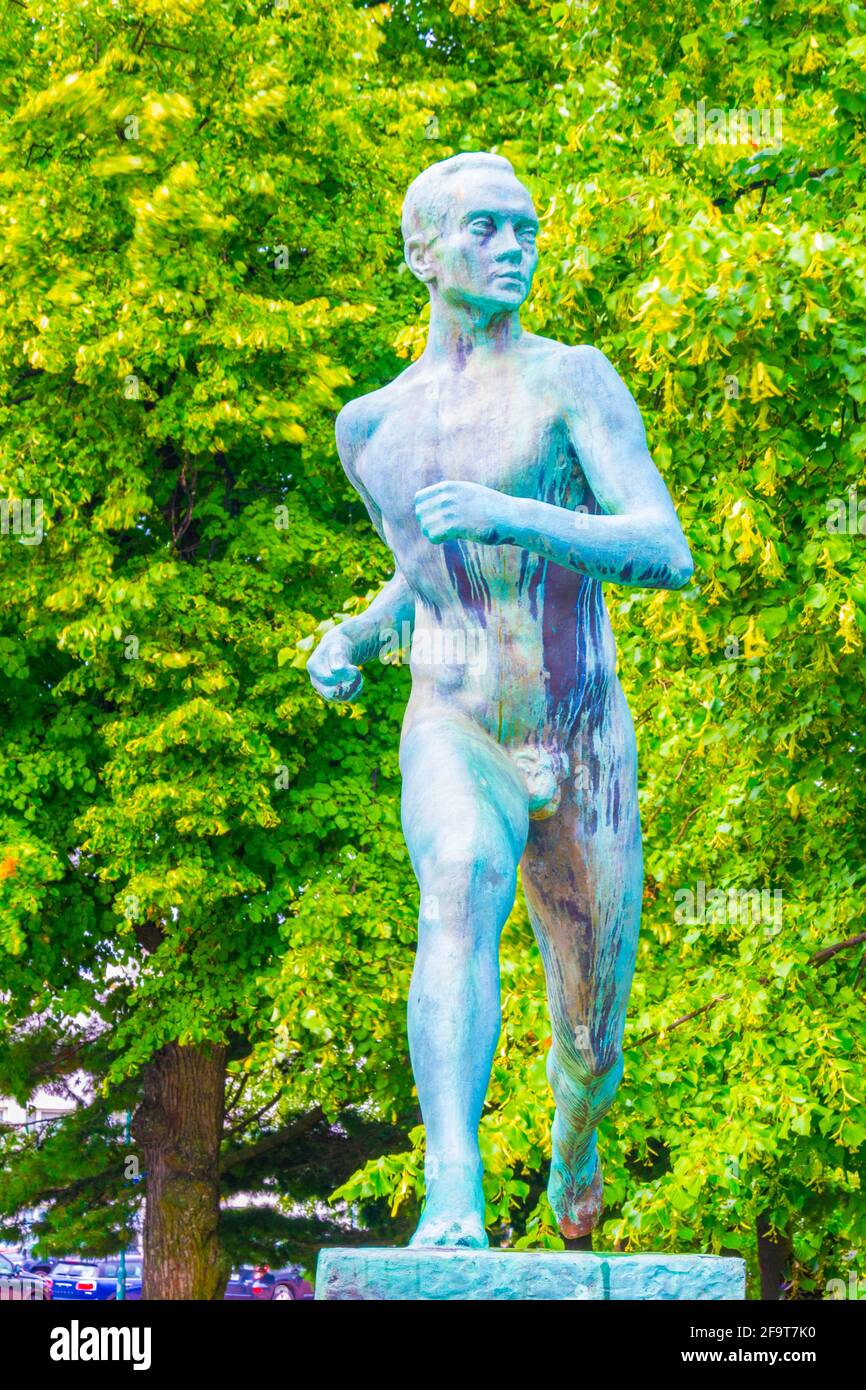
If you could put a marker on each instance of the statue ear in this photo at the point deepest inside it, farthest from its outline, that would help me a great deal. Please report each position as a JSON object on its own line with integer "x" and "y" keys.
{"x": 418, "y": 259}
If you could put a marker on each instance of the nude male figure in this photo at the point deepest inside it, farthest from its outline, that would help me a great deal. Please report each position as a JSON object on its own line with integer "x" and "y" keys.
{"x": 509, "y": 475}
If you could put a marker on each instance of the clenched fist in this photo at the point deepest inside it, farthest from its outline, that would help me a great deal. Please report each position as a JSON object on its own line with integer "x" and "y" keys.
{"x": 332, "y": 670}
{"x": 450, "y": 511}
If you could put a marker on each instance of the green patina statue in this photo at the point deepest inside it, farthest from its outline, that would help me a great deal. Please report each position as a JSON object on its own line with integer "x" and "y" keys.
{"x": 510, "y": 477}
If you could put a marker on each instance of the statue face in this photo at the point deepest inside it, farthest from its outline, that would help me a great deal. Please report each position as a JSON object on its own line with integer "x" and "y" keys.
{"x": 486, "y": 253}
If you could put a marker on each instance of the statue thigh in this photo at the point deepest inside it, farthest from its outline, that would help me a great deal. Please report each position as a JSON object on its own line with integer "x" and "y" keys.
{"x": 582, "y": 874}
{"x": 465, "y": 820}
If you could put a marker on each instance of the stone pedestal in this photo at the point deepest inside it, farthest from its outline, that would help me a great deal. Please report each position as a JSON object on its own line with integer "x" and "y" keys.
{"x": 379, "y": 1274}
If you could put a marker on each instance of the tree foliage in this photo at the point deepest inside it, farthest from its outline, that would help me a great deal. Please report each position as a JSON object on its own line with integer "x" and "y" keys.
{"x": 200, "y": 262}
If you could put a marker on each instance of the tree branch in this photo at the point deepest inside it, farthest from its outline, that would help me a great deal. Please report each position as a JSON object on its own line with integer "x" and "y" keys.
{"x": 828, "y": 951}
{"x": 299, "y": 1127}
{"x": 819, "y": 958}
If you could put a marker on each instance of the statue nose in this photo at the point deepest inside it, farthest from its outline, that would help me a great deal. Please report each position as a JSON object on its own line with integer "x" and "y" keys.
{"x": 509, "y": 248}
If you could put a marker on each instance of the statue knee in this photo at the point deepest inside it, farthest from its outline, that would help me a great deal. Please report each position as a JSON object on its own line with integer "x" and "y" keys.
{"x": 604, "y": 1065}
{"x": 478, "y": 880}
{"x": 581, "y": 1061}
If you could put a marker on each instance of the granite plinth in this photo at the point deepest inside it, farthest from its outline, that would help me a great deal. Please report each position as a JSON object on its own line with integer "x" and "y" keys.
{"x": 380, "y": 1274}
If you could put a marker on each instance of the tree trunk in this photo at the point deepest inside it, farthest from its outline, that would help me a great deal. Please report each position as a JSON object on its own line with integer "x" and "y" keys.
{"x": 178, "y": 1128}
{"x": 774, "y": 1253}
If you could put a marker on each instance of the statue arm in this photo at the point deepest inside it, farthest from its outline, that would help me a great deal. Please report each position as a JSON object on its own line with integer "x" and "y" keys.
{"x": 393, "y": 606}
{"x": 637, "y": 540}
{"x": 333, "y": 666}
{"x": 395, "y": 602}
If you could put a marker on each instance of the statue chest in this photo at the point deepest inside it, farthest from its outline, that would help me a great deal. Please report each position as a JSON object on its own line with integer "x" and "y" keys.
{"x": 509, "y": 439}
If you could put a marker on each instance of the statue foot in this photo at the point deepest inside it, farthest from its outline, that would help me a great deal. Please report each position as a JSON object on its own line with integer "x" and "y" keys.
{"x": 466, "y": 1233}
{"x": 454, "y": 1210}
{"x": 576, "y": 1205}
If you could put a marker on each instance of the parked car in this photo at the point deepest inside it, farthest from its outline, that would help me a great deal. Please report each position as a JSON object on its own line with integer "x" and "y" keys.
{"x": 21, "y": 1284}
{"x": 259, "y": 1281}
{"x": 35, "y": 1264}
{"x": 288, "y": 1282}
{"x": 240, "y": 1283}
{"x": 95, "y": 1280}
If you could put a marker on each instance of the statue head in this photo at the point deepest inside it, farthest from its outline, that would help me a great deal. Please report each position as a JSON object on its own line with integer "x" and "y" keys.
{"x": 469, "y": 230}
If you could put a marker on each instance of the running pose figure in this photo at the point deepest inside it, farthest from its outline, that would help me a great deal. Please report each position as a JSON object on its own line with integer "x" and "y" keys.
{"x": 510, "y": 477}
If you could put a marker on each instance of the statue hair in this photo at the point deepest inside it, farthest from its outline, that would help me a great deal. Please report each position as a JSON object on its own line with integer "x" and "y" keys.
{"x": 428, "y": 197}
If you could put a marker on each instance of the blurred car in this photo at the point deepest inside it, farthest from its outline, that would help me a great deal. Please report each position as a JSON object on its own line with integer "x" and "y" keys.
{"x": 240, "y": 1282}
{"x": 32, "y": 1264}
{"x": 261, "y": 1282}
{"x": 21, "y": 1284}
{"x": 95, "y": 1281}
{"x": 285, "y": 1283}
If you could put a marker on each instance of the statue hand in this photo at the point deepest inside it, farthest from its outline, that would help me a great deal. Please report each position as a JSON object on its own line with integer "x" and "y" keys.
{"x": 463, "y": 511}
{"x": 331, "y": 669}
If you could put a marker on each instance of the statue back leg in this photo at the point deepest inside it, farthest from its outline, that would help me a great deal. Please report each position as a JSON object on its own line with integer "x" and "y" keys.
{"x": 582, "y": 873}
{"x": 465, "y": 820}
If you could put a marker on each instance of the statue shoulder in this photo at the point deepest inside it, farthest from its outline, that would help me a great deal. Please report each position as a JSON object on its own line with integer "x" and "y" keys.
{"x": 584, "y": 364}
{"x": 577, "y": 369}
{"x": 590, "y": 382}
{"x": 354, "y": 425}
{"x": 359, "y": 419}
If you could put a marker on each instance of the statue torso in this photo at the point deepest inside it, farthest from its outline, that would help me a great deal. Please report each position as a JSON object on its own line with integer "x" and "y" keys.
{"x": 516, "y": 642}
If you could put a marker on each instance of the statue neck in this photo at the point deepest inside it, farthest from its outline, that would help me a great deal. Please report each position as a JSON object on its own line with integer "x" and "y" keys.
{"x": 460, "y": 331}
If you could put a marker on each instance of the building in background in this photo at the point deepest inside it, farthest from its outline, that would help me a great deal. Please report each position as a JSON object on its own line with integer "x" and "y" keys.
{"x": 41, "y": 1106}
